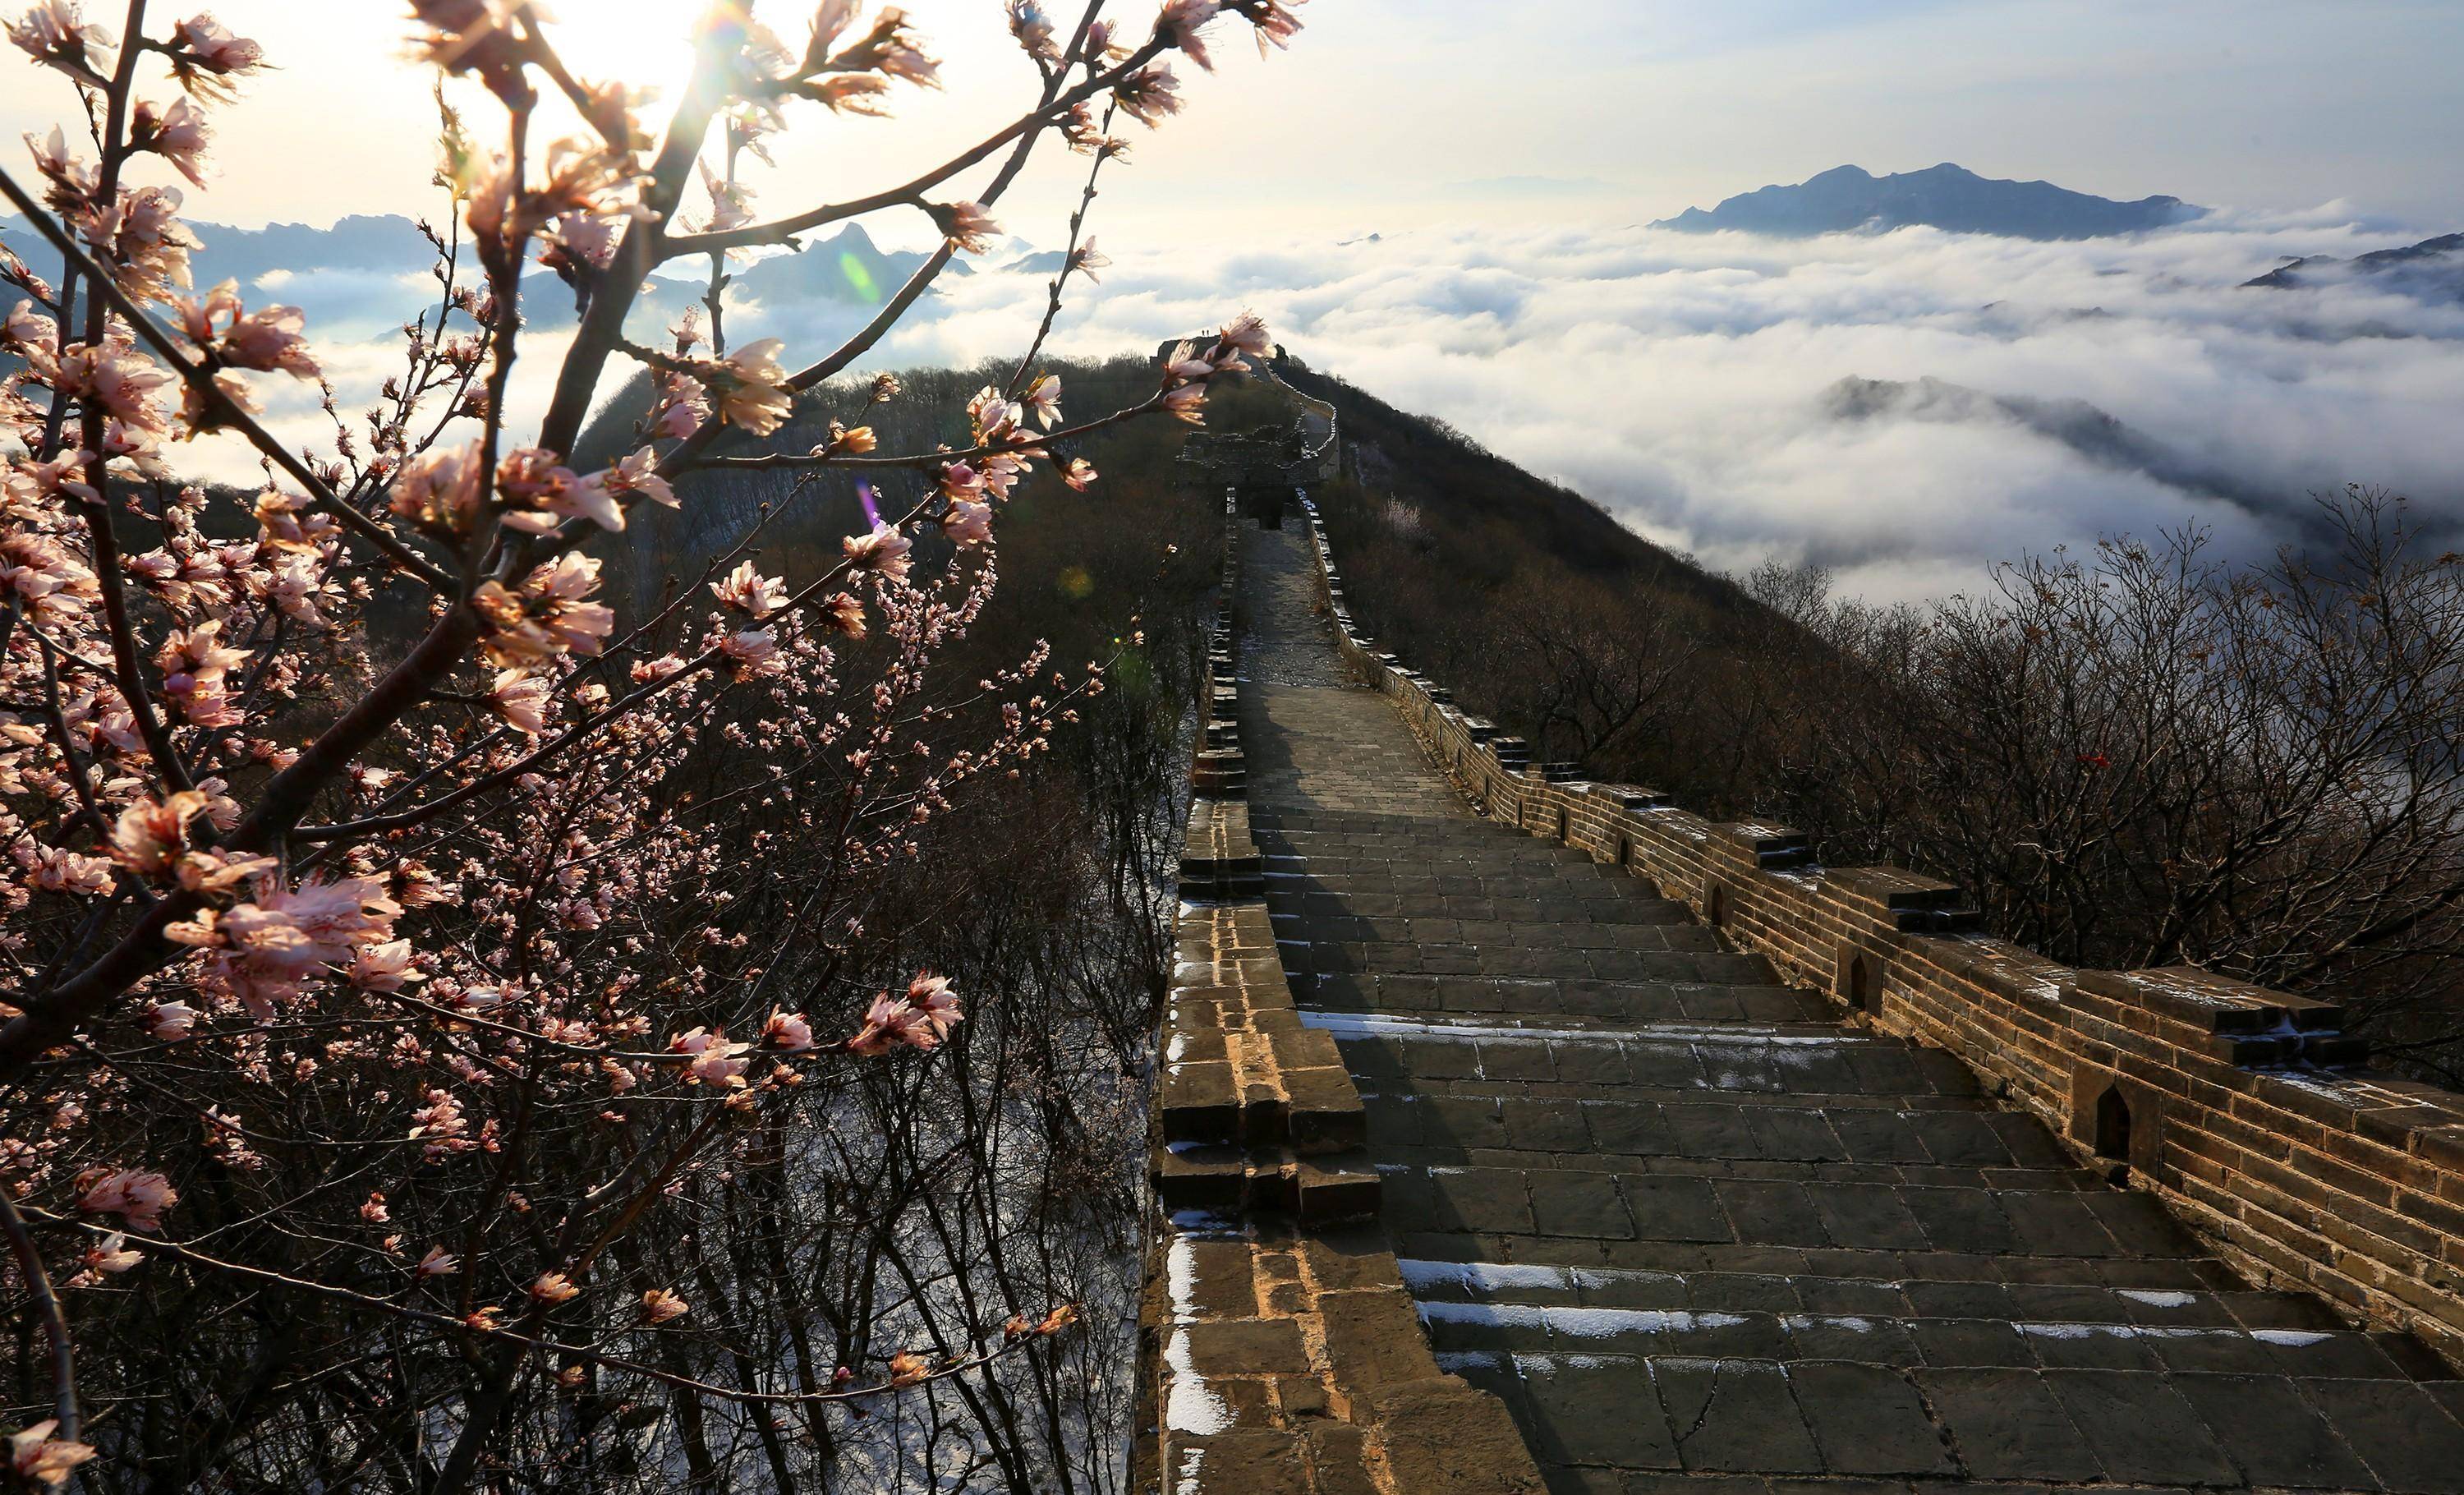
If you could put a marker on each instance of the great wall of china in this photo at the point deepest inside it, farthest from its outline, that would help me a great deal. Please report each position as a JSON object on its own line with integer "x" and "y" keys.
{"x": 1519, "y": 1135}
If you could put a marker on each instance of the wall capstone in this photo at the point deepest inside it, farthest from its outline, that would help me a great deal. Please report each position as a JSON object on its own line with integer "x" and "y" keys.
{"x": 2249, "y": 1113}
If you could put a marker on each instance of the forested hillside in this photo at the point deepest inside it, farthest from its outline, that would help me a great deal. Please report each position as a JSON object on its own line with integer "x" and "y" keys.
{"x": 2137, "y": 756}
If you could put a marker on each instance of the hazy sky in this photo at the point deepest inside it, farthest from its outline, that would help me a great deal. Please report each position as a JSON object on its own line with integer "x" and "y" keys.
{"x": 1507, "y": 153}
{"x": 1411, "y": 111}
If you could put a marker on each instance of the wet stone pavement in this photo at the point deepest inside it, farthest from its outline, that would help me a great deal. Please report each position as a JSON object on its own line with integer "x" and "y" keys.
{"x": 1702, "y": 1237}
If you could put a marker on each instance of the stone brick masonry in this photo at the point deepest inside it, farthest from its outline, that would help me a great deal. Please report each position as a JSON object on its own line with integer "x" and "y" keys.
{"x": 1284, "y": 1353}
{"x": 2247, "y": 1112}
{"x": 1532, "y": 1136}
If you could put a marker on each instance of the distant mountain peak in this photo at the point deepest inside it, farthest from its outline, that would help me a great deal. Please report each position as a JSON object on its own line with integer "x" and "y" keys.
{"x": 2090, "y": 432}
{"x": 1948, "y": 196}
{"x": 2432, "y": 270}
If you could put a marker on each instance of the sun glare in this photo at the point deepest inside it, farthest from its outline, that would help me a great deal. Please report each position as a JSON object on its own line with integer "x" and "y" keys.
{"x": 645, "y": 43}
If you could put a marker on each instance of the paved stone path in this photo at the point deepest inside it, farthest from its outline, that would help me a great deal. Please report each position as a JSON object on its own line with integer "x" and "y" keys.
{"x": 1702, "y": 1237}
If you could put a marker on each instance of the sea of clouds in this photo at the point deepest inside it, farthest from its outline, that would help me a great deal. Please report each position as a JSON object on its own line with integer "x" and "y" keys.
{"x": 1681, "y": 380}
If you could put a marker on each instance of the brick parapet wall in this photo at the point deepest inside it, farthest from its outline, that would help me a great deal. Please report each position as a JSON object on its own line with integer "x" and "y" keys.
{"x": 1278, "y": 1345}
{"x": 2248, "y": 1112}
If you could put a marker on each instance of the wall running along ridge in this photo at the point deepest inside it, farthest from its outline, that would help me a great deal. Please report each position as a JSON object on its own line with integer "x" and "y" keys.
{"x": 1283, "y": 1353}
{"x": 2247, "y": 1112}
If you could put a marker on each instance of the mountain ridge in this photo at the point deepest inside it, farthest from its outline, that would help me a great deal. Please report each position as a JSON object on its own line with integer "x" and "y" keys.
{"x": 1849, "y": 199}
{"x": 2434, "y": 266}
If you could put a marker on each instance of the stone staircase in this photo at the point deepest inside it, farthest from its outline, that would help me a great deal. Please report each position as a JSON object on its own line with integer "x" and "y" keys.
{"x": 1655, "y": 1211}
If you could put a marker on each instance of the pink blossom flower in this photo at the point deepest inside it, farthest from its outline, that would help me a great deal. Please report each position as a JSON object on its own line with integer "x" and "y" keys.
{"x": 1044, "y": 399}
{"x": 112, "y": 1255}
{"x": 891, "y": 1021}
{"x": 1084, "y": 260}
{"x": 754, "y": 650}
{"x": 439, "y": 488}
{"x": 854, "y": 442}
{"x": 715, "y": 1060}
{"x": 1186, "y": 364}
{"x": 788, "y": 1031}
{"x": 57, "y": 35}
{"x": 1079, "y": 475}
{"x": 1180, "y": 23}
{"x": 170, "y": 1020}
{"x": 580, "y": 240}
{"x": 554, "y": 1288}
{"x": 136, "y": 1195}
{"x": 522, "y": 697}
{"x": 659, "y": 1306}
{"x": 731, "y": 203}
{"x": 931, "y": 996}
{"x": 639, "y": 473}
{"x": 440, "y": 1123}
{"x": 685, "y": 404}
{"x": 263, "y": 951}
{"x": 437, "y": 1262}
{"x": 1149, "y": 95}
{"x": 960, "y": 480}
{"x": 1247, "y": 332}
{"x": 968, "y": 523}
{"x": 372, "y": 1209}
{"x": 884, "y": 550}
{"x": 122, "y": 380}
{"x": 40, "y": 1459}
{"x": 205, "y": 54}
{"x": 59, "y": 869}
{"x": 1188, "y": 402}
{"x": 969, "y": 225}
{"x": 548, "y": 615}
{"x": 845, "y": 615}
{"x": 270, "y": 341}
{"x": 148, "y": 836}
{"x": 178, "y": 135}
{"x": 385, "y": 967}
{"x": 1275, "y": 22}
{"x": 750, "y": 592}
{"x": 420, "y": 888}
{"x": 552, "y": 493}
{"x": 753, "y": 390}
{"x": 1033, "y": 29}
{"x": 218, "y": 873}
{"x": 1002, "y": 473}
{"x": 891, "y": 47}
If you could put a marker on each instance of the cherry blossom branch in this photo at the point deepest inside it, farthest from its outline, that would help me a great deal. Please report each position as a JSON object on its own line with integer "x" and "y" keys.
{"x": 198, "y": 377}
{"x": 708, "y": 660}
{"x": 1072, "y": 262}
{"x": 1023, "y": 446}
{"x": 910, "y": 195}
{"x": 637, "y": 254}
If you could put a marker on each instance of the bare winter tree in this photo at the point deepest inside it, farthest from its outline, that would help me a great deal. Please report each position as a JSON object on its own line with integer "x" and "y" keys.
{"x": 2150, "y": 756}
{"x": 1595, "y": 666}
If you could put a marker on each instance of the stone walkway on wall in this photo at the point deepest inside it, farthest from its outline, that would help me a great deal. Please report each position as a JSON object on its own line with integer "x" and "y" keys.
{"x": 1702, "y": 1237}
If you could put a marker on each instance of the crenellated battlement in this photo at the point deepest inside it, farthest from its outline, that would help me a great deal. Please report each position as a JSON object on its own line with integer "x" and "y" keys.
{"x": 1519, "y": 1133}
{"x": 2249, "y": 1113}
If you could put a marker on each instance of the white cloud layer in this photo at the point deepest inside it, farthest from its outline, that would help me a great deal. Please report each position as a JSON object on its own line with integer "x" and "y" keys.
{"x": 1680, "y": 380}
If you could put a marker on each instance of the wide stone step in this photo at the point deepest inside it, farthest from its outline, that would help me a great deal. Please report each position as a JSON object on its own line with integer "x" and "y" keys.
{"x": 1688, "y": 1418}
{"x": 1415, "y": 994}
{"x": 1713, "y": 1056}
